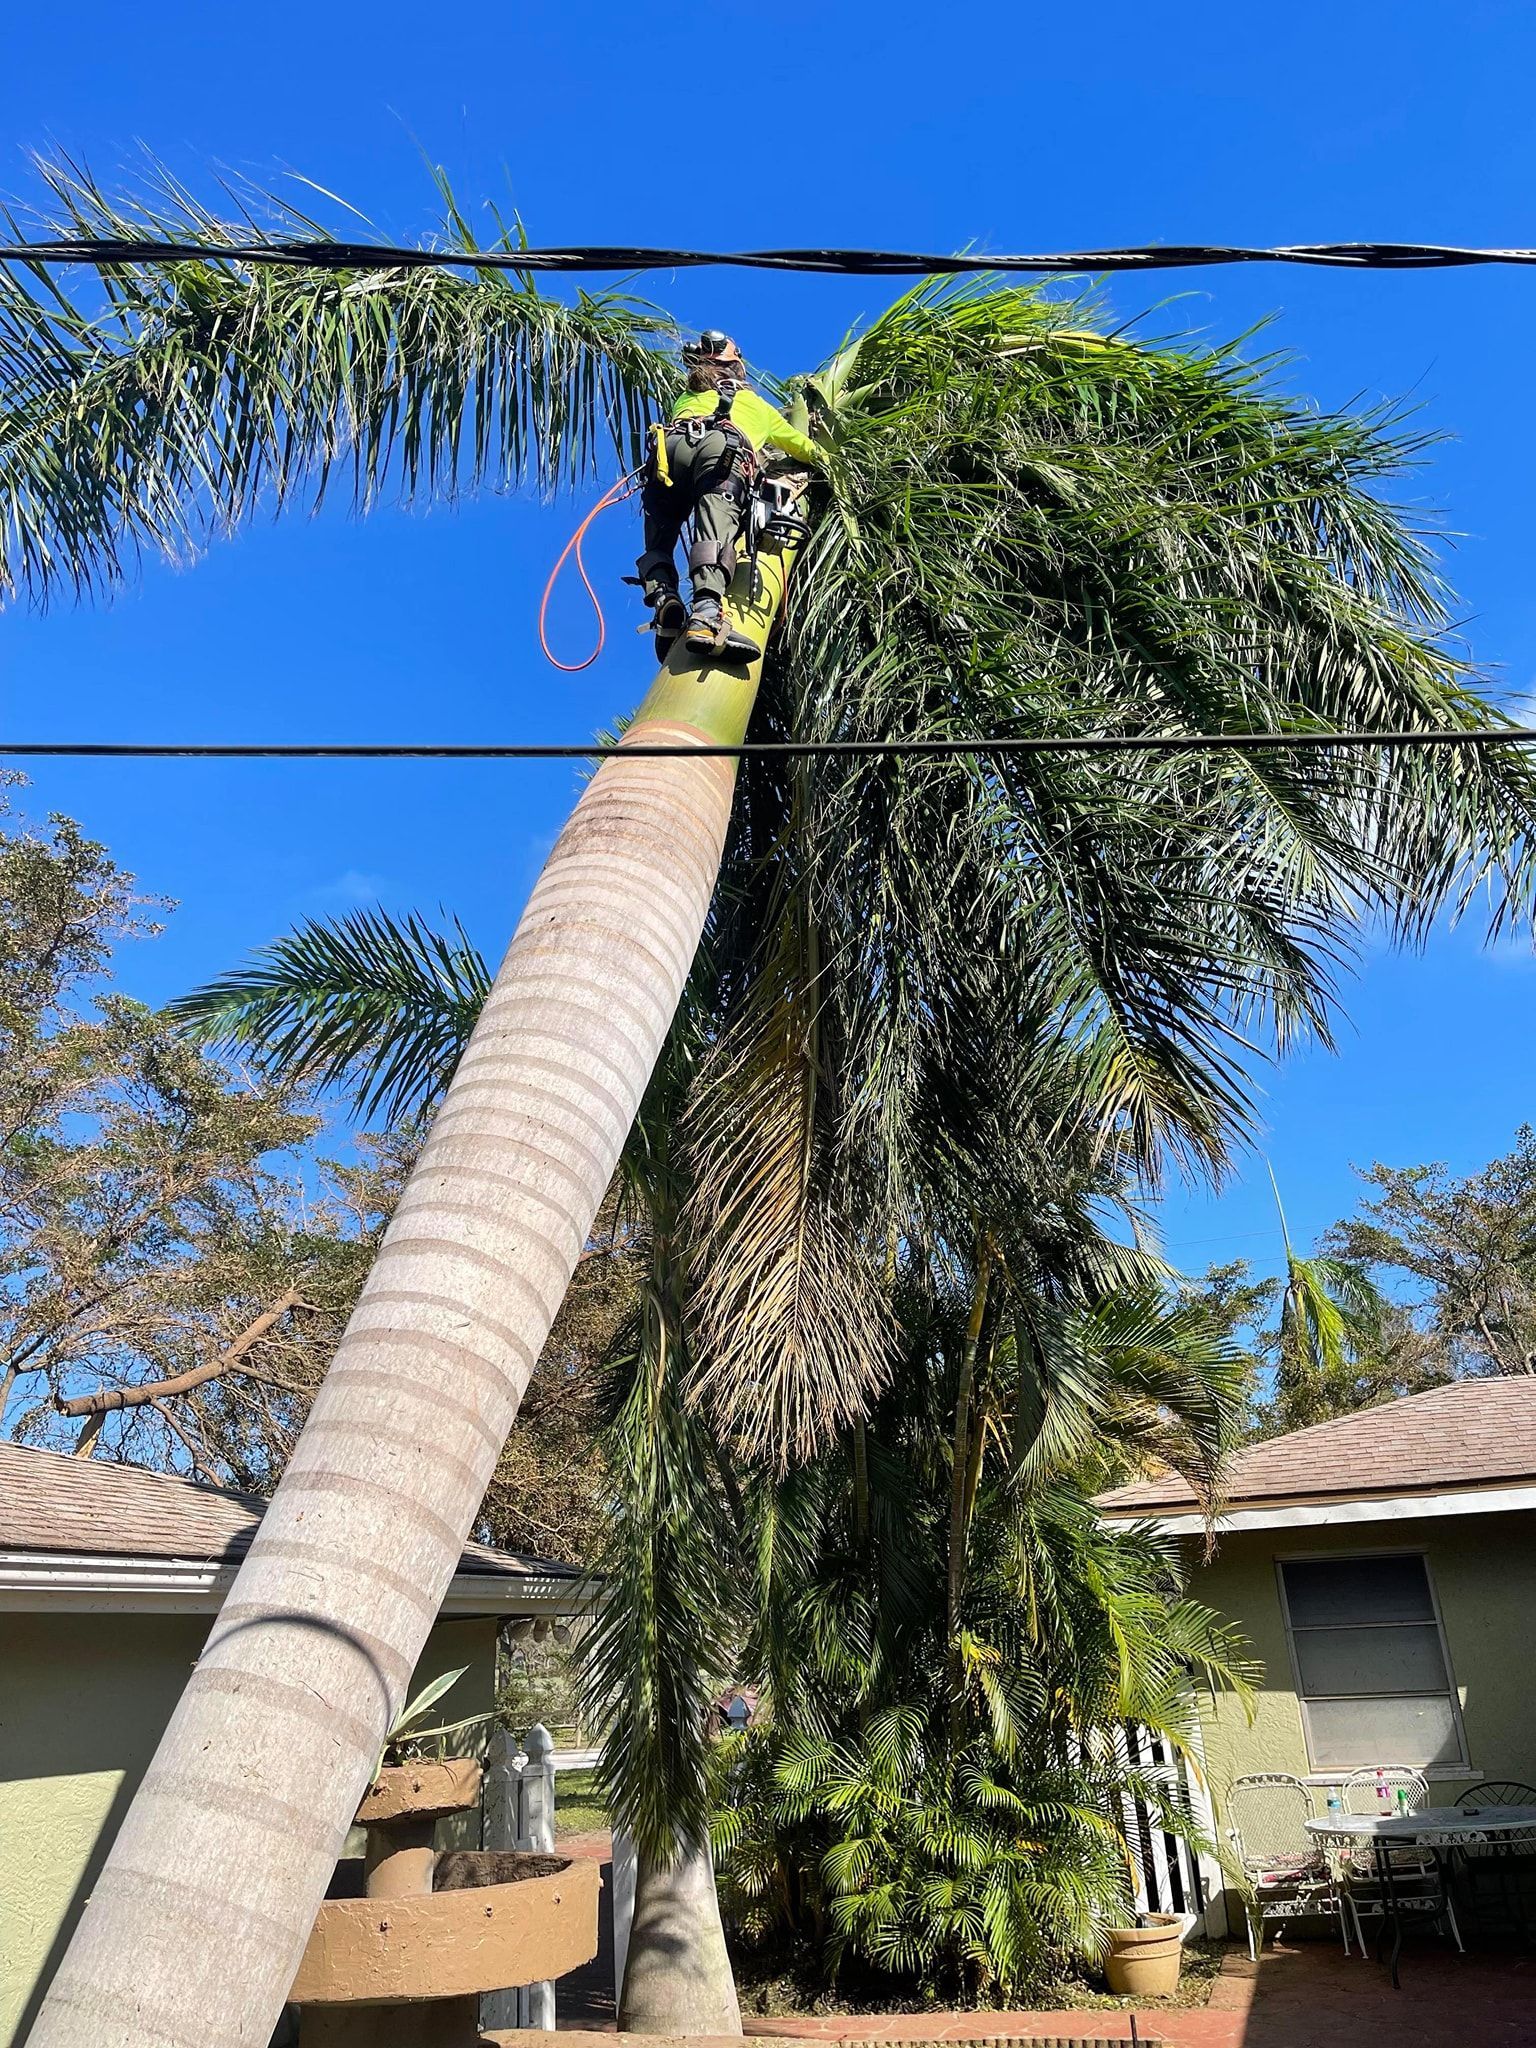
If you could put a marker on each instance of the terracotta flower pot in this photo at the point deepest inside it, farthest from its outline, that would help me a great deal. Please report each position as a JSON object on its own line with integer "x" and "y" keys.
{"x": 1144, "y": 1961}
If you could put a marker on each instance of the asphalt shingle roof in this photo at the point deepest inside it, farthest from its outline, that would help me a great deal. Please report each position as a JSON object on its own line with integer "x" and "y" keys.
{"x": 93, "y": 1507}
{"x": 1468, "y": 1434}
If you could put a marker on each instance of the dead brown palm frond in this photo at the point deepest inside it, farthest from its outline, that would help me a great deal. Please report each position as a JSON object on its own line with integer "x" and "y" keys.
{"x": 792, "y": 1330}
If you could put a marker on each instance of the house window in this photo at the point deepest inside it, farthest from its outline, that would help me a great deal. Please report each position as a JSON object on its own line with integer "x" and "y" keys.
{"x": 1371, "y": 1668}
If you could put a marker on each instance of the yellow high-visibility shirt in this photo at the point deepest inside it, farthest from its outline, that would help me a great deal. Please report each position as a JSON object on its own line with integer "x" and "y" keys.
{"x": 762, "y": 423}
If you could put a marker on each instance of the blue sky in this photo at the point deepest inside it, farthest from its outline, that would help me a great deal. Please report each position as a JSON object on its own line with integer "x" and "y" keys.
{"x": 1009, "y": 127}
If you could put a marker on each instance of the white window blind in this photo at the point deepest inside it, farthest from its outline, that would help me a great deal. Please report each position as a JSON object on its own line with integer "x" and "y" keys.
{"x": 1371, "y": 1667}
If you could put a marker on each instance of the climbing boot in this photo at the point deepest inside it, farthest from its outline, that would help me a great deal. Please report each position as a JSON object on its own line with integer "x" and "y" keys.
{"x": 669, "y": 620}
{"x": 711, "y": 633}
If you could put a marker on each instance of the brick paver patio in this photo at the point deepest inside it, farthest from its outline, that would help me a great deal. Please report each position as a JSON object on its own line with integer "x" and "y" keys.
{"x": 1303, "y": 1996}
{"x": 1298, "y": 1997}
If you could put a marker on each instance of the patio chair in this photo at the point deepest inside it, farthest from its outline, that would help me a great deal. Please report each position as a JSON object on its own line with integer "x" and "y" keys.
{"x": 1498, "y": 1876}
{"x": 1286, "y": 1872}
{"x": 1362, "y": 1794}
{"x": 1417, "y": 1875}
{"x": 1505, "y": 1792}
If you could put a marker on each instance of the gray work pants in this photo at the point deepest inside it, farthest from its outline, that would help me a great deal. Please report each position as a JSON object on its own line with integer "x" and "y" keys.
{"x": 709, "y": 485}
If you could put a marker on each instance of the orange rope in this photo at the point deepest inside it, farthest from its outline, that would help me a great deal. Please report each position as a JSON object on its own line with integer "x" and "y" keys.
{"x": 620, "y": 490}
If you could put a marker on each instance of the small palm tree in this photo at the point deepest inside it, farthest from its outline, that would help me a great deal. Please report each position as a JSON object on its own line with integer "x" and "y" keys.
{"x": 1332, "y": 1321}
{"x": 1029, "y": 527}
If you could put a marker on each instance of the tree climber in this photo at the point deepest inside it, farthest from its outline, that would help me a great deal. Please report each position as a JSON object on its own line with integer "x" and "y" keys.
{"x": 703, "y": 466}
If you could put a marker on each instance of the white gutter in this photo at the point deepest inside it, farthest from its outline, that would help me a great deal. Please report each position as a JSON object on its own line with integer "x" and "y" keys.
{"x": 1324, "y": 1514}
{"x": 36, "y": 1581}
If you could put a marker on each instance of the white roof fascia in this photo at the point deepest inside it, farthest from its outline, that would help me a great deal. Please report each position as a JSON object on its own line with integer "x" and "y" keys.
{"x": 1324, "y": 1514}
{"x": 42, "y": 1580}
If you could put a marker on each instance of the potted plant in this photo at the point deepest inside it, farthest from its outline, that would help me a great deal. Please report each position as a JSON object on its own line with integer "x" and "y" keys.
{"x": 1144, "y": 1961}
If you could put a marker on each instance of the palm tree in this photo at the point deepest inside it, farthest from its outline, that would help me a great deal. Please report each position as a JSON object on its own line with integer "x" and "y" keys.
{"x": 1030, "y": 527}
{"x": 1333, "y": 1318}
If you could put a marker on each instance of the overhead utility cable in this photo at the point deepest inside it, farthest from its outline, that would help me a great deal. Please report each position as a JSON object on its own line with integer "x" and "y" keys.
{"x": 1070, "y": 743}
{"x": 107, "y": 251}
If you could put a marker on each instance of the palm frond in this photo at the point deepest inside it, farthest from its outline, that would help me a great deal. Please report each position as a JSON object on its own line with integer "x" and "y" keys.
{"x": 379, "y": 1004}
{"x": 1331, "y": 1320}
{"x": 791, "y": 1328}
{"x": 1032, "y": 529}
{"x": 660, "y": 1643}
{"x": 165, "y": 409}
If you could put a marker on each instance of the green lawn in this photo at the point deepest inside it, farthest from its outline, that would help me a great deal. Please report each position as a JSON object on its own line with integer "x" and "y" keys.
{"x": 578, "y": 1809}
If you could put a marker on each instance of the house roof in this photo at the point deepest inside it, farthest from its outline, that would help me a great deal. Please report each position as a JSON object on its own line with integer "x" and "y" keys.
{"x": 1466, "y": 1437}
{"x": 78, "y": 1507}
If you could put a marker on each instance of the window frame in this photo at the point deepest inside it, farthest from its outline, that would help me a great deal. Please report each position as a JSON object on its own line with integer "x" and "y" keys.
{"x": 1452, "y": 1767}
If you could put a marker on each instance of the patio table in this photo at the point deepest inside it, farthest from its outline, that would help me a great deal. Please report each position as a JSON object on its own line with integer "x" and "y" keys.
{"x": 1439, "y": 1829}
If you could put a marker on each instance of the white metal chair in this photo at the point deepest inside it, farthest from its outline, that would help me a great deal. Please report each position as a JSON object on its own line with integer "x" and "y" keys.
{"x": 1416, "y": 1875}
{"x": 1287, "y": 1875}
{"x": 1362, "y": 1793}
{"x": 1362, "y": 1789}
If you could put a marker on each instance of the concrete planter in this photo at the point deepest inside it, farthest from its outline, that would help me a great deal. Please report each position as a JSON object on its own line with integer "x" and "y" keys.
{"x": 420, "y": 1792}
{"x": 451, "y": 1944}
{"x": 1144, "y": 1961}
{"x": 408, "y": 1963}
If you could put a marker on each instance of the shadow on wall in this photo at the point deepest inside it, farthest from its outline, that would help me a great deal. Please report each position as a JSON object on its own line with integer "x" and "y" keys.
{"x": 84, "y": 1699}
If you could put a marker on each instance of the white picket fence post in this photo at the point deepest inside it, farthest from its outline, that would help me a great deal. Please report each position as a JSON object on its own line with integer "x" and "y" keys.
{"x": 622, "y": 1879}
{"x": 1213, "y": 1879}
{"x": 518, "y": 1812}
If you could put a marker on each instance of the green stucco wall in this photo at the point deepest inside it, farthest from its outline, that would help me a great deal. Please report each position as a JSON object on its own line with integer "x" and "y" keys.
{"x": 1484, "y": 1572}
{"x": 83, "y": 1699}
{"x": 1483, "y": 1568}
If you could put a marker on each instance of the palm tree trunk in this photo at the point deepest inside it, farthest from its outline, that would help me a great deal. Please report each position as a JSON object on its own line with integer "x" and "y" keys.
{"x": 677, "y": 1974}
{"x": 959, "y": 1472}
{"x": 196, "y": 1923}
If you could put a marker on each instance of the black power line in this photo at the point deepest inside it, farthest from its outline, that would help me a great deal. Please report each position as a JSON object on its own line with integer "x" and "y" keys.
{"x": 106, "y": 251}
{"x": 1069, "y": 743}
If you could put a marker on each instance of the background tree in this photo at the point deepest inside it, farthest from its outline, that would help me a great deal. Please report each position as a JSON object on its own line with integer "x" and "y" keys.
{"x": 1432, "y": 1279}
{"x": 1463, "y": 1250}
{"x": 1329, "y": 1339}
{"x": 149, "y": 1207}
{"x": 156, "y": 1208}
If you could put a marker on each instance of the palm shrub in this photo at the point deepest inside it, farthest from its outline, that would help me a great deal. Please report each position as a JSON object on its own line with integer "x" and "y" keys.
{"x": 950, "y": 1644}
{"x": 1333, "y": 1319}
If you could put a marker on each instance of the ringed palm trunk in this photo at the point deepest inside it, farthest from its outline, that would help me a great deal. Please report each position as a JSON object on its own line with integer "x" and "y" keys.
{"x": 197, "y": 1921}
